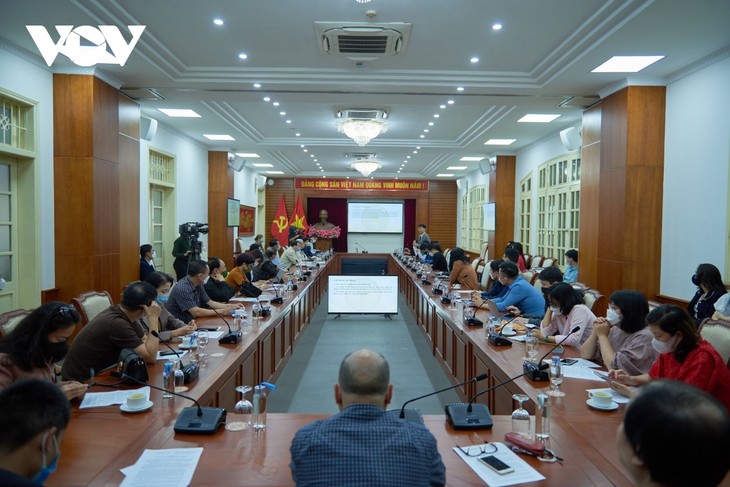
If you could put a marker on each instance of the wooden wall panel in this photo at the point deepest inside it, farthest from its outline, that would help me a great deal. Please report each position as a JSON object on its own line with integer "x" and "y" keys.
{"x": 129, "y": 115}
{"x": 441, "y": 207}
{"x": 106, "y": 121}
{"x": 220, "y": 188}
{"x": 504, "y": 199}
{"x": 129, "y": 178}
{"x": 72, "y": 121}
{"x": 590, "y": 196}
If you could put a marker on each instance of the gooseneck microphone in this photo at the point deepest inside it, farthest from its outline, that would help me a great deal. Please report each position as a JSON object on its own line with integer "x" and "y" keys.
{"x": 231, "y": 337}
{"x": 192, "y": 420}
{"x": 155, "y": 334}
{"x": 538, "y": 371}
{"x": 362, "y": 249}
{"x": 414, "y": 416}
{"x": 190, "y": 371}
{"x": 473, "y": 320}
{"x": 278, "y": 299}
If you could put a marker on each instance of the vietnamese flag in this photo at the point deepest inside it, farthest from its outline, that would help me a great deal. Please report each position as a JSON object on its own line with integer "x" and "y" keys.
{"x": 280, "y": 225}
{"x": 298, "y": 219}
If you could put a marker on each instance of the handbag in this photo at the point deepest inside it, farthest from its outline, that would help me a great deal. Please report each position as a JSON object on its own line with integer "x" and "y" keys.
{"x": 250, "y": 290}
{"x": 131, "y": 364}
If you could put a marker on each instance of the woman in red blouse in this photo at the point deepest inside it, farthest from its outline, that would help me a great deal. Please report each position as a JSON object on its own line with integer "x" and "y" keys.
{"x": 683, "y": 355}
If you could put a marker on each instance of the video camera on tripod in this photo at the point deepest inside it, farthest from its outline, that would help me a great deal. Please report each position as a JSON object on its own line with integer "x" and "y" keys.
{"x": 191, "y": 231}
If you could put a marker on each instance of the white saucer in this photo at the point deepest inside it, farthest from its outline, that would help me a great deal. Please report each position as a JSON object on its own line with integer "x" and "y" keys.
{"x": 144, "y": 407}
{"x": 612, "y": 407}
{"x": 514, "y": 333}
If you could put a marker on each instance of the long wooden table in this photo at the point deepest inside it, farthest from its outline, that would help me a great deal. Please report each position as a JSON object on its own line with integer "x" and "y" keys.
{"x": 100, "y": 441}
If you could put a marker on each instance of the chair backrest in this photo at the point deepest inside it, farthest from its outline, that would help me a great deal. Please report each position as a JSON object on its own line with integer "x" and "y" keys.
{"x": 447, "y": 253}
{"x": 528, "y": 276}
{"x": 9, "y": 320}
{"x": 528, "y": 261}
{"x": 484, "y": 251}
{"x": 594, "y": 300}
{"x": 717, "y": 332}
{"x": 475, "y": 262}
{"x": 537, "y": 261}
{"x": 90, "y": 304}
{"x": 548, "y": 262}
{"x": 484, "y": 282}
{"x": 654, "y": 304}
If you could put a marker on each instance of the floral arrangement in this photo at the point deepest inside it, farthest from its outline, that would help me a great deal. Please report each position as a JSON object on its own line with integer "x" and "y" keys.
{"x": 313, "y": 231}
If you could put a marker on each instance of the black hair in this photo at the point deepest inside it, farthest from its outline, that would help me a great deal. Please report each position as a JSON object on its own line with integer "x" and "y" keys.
{"x": 457, "y": 254}
{"x": 551, "y": 274}
{"x": 143, "y": 249}
{"x": 494, "y": 265}
{"x": 196, "y": 267}
{"x": 158, "y": 278}
{"x": 509, "y": 269}
{"x": 422, "y": 225}
{"x": 512, "y": 254}
{"x": 213, "y": 264}
{"x": 138, "y": 294}
{"x": 29, "y": 407}
{"x": 517, "y": 246}
{"x": 434, "y": 246}
{"x": 667, "y": 414}
{"x": 270, "y": 253}
{"x": 257, "y": 254}
{"x": 634, "y": 308}
{"x": 425, "y": 247}
{"x": 672, "y": 319}
{"x": 258, "y": 237}
{"x": 710, "y": 277}
{"x": 273, "y": 242}
{"x": 573, "y": 254}
{"x": 564, "y": 294}
{"x": 244, "y": 258}
{"x": 27, "y": 345}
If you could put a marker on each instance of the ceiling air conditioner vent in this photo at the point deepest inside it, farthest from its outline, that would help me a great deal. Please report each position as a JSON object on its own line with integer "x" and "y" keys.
{"x": 142, "y": 94}
{"x": 361, "y": 155}
{"x": 362, "y": 113}
{"x": 362, "y": 41}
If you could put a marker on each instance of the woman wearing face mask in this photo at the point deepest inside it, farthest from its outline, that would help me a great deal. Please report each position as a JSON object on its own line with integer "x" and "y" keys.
{"x": 710, "y": 288}
{"x": 566, "y": 311}
{"x": 622, "y": 340}
{"x": 170, "y": 326}
{"x": 34, "y": 346}
{"x": 683, "y": 355}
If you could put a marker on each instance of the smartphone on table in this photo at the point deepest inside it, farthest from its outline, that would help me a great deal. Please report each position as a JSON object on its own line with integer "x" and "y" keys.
{"x": 496, "y": 464}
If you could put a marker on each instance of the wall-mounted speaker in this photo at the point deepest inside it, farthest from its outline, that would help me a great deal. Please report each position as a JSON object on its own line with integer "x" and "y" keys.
{"x": 260, "y": 183}
{"x": 571, "y": 138}
{"x": 237, "y": 164}
{"x": 147, "y": 128}
{"x": 484, "y": 166}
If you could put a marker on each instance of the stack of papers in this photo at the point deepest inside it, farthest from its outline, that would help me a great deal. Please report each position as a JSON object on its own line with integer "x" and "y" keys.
{"x": 523, "y": 472}
{"x": 171, "y": 467}
{"x": 100, "y": 399}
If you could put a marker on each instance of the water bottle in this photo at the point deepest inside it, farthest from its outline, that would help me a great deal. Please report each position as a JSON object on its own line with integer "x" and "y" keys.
{"x": 178, "y": 375}
{"x": 542, "y": 419}
{"x": 236, "y": 321}
{"x": 168, "y": 381}
{"x": 259, "y": 405}
{"x": 194, "y": 347}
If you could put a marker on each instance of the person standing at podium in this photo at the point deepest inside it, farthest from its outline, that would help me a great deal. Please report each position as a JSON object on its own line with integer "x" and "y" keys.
{"x": 362, "y": 444}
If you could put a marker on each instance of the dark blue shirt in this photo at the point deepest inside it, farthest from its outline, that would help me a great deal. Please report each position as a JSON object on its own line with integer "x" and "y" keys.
{"x": 524, "y": 296}
{"x": 365, "y": 446}
{"x": 498, "y": 290}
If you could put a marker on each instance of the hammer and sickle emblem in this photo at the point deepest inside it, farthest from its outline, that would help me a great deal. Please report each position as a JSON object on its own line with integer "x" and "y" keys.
{"x": 281, "y": 223}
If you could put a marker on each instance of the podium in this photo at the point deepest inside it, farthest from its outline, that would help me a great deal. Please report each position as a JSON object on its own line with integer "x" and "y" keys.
{"x": 323, "y": 244}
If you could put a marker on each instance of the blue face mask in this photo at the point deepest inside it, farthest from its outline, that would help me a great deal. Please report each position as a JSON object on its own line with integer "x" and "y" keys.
{"x": 162, "y": 298}
{"x": 42, "y": 476}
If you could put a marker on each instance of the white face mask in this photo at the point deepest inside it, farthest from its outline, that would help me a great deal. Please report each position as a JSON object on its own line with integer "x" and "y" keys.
{"x": 154, "y": 254}
{"x": 555, "y": 309}
{"x": 205, "y": 281}
{"x": 664, "y": 347}
{"x": 612, "y": 316}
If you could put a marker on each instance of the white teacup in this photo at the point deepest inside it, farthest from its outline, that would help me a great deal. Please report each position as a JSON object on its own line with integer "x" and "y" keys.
{"x": 186, "y": 340}
{"x": 136, "y": 400}
{"x": 601, "y": 398}
{"x": 508, "y": 330}
{"x": 456, "y": 287}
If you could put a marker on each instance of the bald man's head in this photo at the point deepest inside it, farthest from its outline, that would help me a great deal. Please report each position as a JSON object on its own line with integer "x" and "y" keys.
{"x": 364, "y": 378}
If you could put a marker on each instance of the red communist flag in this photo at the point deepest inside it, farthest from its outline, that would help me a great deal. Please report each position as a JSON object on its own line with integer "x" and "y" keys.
{"x": 280, "y": 225}
{"x": 298, "y": 219}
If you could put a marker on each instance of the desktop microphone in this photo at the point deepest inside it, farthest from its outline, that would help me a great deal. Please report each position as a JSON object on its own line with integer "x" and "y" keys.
{"x": 278, "y": 299}
{"x": 473, "y": 320}
{"x": 413, "y": 415}
{"x": 497, "y": 339}
{"x": 190, "y": 371}
{"x": 437, "y": 286}
{"x": 474, "y": 416}
{"x": 362, "y": 248}
{"x": 192, "y": 420}
{"x": 264, "y": 312}
{"x": 538, "y": 371}
{"x": 231, "y": 337}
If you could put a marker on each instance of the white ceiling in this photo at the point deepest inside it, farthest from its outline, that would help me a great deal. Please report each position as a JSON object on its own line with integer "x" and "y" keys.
{"x": 541, "y": 58}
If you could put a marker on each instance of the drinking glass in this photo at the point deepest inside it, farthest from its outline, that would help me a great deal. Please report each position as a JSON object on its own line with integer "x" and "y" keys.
{"x": 520, "y": 416}
{"x": 244, "y": 406}
{"x": 556, "y": 378}
{"x": 203, "y": 339}
{"x": 531, "y": 342}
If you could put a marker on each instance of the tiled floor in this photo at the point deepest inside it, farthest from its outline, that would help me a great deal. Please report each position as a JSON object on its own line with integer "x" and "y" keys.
{"x": 306, "y": 383}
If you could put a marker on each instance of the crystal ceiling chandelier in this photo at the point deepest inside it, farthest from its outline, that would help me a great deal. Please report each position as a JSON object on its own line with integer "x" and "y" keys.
{"x": 366, "y": 166}
{"x": 362, "y": 131}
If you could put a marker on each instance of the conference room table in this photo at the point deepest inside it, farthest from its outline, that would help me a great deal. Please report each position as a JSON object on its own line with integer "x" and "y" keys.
{"x": 101, "y": 441}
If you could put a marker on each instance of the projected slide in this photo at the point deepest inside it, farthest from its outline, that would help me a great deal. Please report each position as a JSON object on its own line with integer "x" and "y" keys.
{"x": 375, "y": 217}
{"x": 363, "y": 294}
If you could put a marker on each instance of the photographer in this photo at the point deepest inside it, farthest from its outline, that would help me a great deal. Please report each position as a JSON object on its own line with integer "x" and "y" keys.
{"x": 187, "y": 247}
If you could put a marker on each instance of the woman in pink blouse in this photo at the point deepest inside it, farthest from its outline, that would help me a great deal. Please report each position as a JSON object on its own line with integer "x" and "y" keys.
{"x": 566, "y": 311}
{"x": 622, "y": 340}
{"x": 32, "y": 349}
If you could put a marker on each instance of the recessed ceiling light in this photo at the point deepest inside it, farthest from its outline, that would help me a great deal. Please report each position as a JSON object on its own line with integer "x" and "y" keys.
{"x": 266, "y": 98}
{"x": 298, "y": 134}
{"x": 322, "y": 170}
{"x": 436, "y": 115}
{"x": 306, "y": 150}
{"x": 444, "y": 175}
{"x": 425, "y": 131}
{"x": 626, "y": 64}
{"x": 276, "y": 103}
{"x": 538, "y": 118}
{"x": 422, "y": 136}
{"x": 415, "y": 152}
{"x": 316, "y": 161}
{"x": 218, "y": 21}
{"x": 257, "y": 85}
{"x": 456, "y": 168}
{"x": 243, "y": 55}
{"x": 262, "y": 164}
{"x": 430, "y": 124}
{"x": 396, "y": 177}
{"x": 249, "y": 155}
{"x": 218, "y": 137}
{"x": 408, "y": 157}
{"x": 179, "y": 112}
{"x": 471, "y": 159}
{"x": 288, "y": 121}
{"x": 460, "y": 88}
{"x": 499, "y": 141}
{"x": 282, "y": 113}
{"x": 311, "y": 155}
{"x": 442, "y": 107}
{"x": 274, "y": 172}
{"x": 474, "y": 60}
{"x": 418, "y": 147}
{"x": 496, "y": 26}
{"x": 450, "y": 102}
